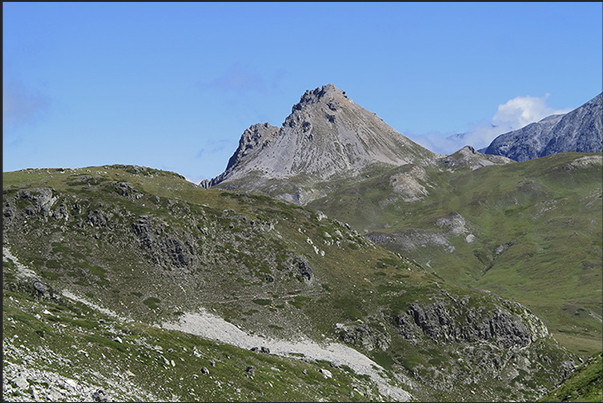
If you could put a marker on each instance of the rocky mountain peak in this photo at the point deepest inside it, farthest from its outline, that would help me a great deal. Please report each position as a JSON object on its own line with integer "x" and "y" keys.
{"x": 325, "y": 135}
{"x": 468, "y": 157}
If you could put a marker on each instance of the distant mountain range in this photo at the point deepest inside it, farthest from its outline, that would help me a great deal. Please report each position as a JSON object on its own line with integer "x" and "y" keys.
{"x": 578, "y": 130}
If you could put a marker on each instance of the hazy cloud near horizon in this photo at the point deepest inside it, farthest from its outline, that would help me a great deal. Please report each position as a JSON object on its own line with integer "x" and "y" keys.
{"x": 20, "y": 105}
{"x": 512, "y": 115}
{"x": 238, "y": 78}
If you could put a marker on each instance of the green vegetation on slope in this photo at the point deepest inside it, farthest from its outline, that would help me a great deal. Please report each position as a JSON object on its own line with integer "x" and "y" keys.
{"x": 133, "y": 361}
{"x": 585, "y": 384}
{"x": 150, "y": 246}
{"x": 528, "y": 231}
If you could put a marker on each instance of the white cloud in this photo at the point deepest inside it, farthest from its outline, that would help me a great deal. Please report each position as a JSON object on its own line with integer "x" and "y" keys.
{"x": 521, "y": 111}
{"x": 512, "y": 115}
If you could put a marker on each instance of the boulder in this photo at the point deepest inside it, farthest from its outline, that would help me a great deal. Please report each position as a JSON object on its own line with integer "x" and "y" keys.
{"x": 40, "y": 287}
{"x": 100, "y": 396}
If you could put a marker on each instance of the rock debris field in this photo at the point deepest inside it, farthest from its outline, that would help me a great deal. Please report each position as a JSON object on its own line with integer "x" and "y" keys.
{"x": 210, "y": 326}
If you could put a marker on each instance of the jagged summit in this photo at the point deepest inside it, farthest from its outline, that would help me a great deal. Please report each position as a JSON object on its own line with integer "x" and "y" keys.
{"x": 326, "y": 135}
{"x": 255, "y": 138}
{"x": 325, "y": 93}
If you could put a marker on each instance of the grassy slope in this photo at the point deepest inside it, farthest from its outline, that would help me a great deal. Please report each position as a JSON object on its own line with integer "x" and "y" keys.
{"x": 353, "y": 282}
{"x": 77, "y": 342}
{"x": 545, "y": 213}
{"x": 584, "y": 385}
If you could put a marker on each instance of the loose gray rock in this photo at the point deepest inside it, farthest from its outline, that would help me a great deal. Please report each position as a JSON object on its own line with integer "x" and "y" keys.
{"x": 21, "y": 382}
{"x": 40, "y": 287}
{"x": 100, "y": 396}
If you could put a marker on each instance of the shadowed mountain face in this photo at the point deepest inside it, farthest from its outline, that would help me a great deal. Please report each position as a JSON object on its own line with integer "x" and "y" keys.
{"x": 326, "y": 137}
{"x": 579, "y": 131}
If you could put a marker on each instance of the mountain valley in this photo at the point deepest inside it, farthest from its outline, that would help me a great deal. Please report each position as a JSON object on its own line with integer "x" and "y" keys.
{"x": 333, "y": 260}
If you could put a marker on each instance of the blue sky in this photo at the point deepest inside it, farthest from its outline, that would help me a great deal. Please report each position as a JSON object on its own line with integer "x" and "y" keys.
{"x": 174, "y": 85}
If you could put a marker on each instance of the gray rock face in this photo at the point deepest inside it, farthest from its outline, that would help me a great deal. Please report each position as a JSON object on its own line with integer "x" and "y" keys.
{"x": 326, "y": 135}
{"x": 440, "y": 324}
{"x": 40, "y": 287}
{"x": 127, "y": 190}
{"x": 168, "y": 250}
{"x": 304, "y": 269}
{"x": 253, "y": 140}
{"x": 579, "y": 130}
{"x": 365, "y": 336}
{"x": 41, "y": 201}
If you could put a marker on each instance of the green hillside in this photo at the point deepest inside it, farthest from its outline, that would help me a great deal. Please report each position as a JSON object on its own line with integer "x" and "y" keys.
{"x": 528, "y": 231}
{"x": 585, "y": 384}
{"x": 152, "y": 249}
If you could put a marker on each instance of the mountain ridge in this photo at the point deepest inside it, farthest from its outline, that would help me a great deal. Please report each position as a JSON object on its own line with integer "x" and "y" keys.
{"x": 579, "y": 130}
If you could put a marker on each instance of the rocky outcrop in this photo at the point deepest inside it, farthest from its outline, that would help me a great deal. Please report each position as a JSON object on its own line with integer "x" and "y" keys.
{"x": 579, "y": 130}
{"x": 362, "y": 335}
{"x": 303, "y": 268}
{"x": 37, "y": 201}
{"x": 127, "y": 190}
{"x": 168, "y": 250}
{"x": 508, "y": 325}
{"x": 441, "y": 324}
{"x": 468, "y": 157}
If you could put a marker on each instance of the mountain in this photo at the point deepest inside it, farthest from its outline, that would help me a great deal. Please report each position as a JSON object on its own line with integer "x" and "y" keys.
{"x": 326, "y": 138}
{"x": 457, "y": 215}
{"x": 577, "y": 131}
{"x": 130, "y": 283}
